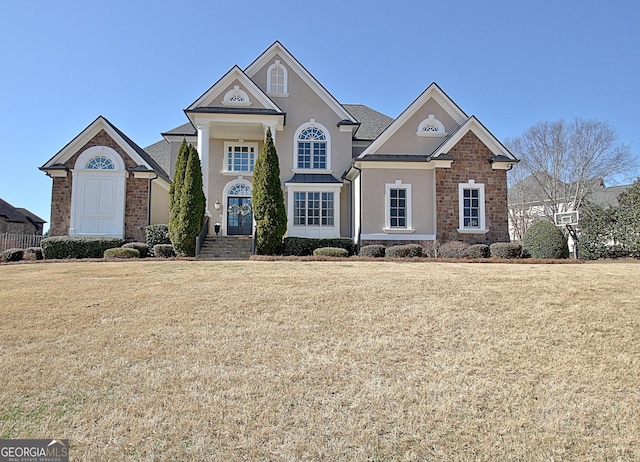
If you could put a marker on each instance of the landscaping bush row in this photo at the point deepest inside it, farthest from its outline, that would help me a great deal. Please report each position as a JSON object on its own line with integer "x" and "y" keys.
{"x": 303, "y": 246}
{"x": 451, "y": 249}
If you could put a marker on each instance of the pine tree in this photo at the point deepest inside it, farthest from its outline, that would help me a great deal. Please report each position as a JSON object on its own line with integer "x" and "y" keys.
{"x": 175, "y": 189}
{"x": 192, "y": 207}
{"x": 268, "y": 200}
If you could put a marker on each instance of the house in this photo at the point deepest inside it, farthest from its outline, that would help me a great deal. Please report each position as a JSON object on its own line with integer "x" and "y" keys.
{"x": 541, "y": 196}
{"x": 15, "y": 220}
{"x": 346, "y": 170}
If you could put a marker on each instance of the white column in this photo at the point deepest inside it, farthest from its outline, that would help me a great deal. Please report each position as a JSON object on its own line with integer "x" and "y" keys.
{"x": 203, "y": 152}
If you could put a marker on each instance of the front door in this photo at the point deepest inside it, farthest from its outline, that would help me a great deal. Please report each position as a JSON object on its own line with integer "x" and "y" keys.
{"x": 239, "y": 216}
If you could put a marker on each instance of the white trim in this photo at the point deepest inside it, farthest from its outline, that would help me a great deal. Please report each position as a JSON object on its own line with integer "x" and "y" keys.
{"x": 279, "y": 65}
{"x": 486, "y": 137}
{"x": 398, "y": 237}
{"x": 481, "y": 229}
{"x": 276, "y": 49}
{"x": 434, "y": 92}
{"x": 398, "y": 184}
{"x": 299, "y": 130}
{"x": 431, "y": 121}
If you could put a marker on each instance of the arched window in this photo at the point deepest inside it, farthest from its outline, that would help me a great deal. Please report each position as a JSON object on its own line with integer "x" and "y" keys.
{"x": 100, "y": 163}
{"x": 277, "y": 79}
{"x": 240, "y": 189}
{"x": 236, "y": 97}
{"x": 312, "y": 147}
{"x": 431, "y": 127}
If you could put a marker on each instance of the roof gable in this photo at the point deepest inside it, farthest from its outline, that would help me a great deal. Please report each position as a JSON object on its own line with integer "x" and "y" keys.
{"x": 134, "y": 151}
{"x": 277, "y": 49}
{"x": 433, "y": 92}
{"x": 215, "y": 95}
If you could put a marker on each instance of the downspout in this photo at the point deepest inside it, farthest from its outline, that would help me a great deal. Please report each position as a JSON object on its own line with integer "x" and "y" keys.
{"x": 149, "y": 201}
{"x": 351, "y": 224}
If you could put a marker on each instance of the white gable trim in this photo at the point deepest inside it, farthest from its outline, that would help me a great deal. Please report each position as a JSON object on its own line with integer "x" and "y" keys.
{"x": 474, "y": 125}
{"x": 214, "y": 94}
{"x": 87, "y": 135}
{"x": 287, "y": 58}
{"x": 434, "y": 92}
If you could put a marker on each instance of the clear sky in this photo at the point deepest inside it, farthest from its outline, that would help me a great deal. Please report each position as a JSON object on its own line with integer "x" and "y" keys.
{"x": 140, "y": 63}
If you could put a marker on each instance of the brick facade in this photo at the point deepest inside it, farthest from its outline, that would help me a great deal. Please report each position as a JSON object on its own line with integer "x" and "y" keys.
{"x": 14, "y": 227}
{"x": 137, "y": 195}
{"x": 471, "y": 163}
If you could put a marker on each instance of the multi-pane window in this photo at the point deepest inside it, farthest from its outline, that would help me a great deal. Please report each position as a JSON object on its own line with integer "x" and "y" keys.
{"x": 100, "y": 163}
{"x": 398, "y": 208}
{"x": 313, "y": 209}
{"x": 277, "y": 79}
{"x": 312, "y": 149}
{"x": 471, "y": 208}
{"x": 240, "y": 158}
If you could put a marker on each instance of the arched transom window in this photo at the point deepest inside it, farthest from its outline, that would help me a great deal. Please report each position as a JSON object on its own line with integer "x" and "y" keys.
{"x": 236, "y": 97}
{"x": 431, "y": 127}
{"x": 277, "y": 79}
{"x": 312, "y": 149}
{"x": 240, "y": 189}
{"x": 100, "y": 163}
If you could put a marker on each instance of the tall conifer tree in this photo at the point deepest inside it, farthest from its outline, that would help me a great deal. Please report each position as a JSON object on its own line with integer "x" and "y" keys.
{"x": 192, "y": 207}
{"x": 175, "y": 189}
{"x": 268, "y": 200}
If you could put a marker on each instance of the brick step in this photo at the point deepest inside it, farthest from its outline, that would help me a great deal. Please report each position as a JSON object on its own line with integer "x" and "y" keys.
{"x": 226, "y": 248}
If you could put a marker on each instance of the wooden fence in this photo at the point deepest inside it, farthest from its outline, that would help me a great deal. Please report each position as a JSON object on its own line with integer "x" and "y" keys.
{"x": 19, "y": 241}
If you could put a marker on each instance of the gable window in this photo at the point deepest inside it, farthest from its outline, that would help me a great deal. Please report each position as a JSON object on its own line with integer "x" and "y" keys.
{"x": 398, "y": 207}
{"x": 312, "y": 148}
{"x": 277, "y": 79}
{"x": 240, "y": 157}
{"x": 313, "y": 208}
{"x": 236, "y": 97}
{"x": 431, "y": 127}
{"x": 471, "y": 207}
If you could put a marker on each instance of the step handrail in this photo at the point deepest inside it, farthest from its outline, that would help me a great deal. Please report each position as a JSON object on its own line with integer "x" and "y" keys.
{"x": 202, "y": 236}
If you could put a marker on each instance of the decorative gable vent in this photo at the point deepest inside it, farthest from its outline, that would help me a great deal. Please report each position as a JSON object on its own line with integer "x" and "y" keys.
{"x": 431, "y": 127}
{"x": 236, "y": 97}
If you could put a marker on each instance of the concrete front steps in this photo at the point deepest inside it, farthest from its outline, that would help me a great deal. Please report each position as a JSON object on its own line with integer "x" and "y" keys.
{"x": 226, "y": 248}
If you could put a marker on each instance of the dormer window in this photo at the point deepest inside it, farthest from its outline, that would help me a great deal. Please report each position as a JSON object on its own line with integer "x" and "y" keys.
{"x": 277, "y": 79}
{"x": 431, "y": 127}
{"x": 236, "y": 97}
{"x": 312, "y": 147}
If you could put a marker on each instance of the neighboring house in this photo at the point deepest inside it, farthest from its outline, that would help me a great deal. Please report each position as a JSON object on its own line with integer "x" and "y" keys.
{"x": 540, "y": 196}
{"x": 346, "y": 170}
{"x": 15, "y": 220}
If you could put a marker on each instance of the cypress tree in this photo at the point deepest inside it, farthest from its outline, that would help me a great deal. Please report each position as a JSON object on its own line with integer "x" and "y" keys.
{"x": 192, "y": 207}
{"x": 268, "y": 200}
{"x": 175, "y": 189}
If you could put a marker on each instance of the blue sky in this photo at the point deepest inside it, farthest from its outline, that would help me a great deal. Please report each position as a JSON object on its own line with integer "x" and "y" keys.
{"x": 140, "y": 63}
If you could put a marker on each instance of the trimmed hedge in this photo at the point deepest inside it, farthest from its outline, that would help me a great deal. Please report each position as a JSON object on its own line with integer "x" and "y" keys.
{"x": 32, "y": 253}
{"x": 478, "y": 251}
{"x": 157, "y": 234}
{"x": 164, "y": 250}
{"x": 431, "y": 249}
{"x": 144, "y": 249}
{"x": 404, "y": 251}
{"x": 543, "y": 239}
{"x": 122, "y": 252}
{"x": 375, "y": 251}
{"x": 11, "y": 255}
{"x": 303, "y": 246}
{"x": 59, "y": 247}
{"x": 331, "y": 252}
{"x": 506, "y": 250}
{"x": 453, "y": 249}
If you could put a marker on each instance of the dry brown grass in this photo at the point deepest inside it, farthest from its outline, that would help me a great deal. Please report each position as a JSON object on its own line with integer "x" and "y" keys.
{"x": 345, "y": 360}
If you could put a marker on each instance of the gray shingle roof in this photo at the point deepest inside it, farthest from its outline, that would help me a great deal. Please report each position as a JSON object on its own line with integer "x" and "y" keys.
{"x": 372, "y": 122}
{"x": 185, "y": 129}
{"x": 313, "y": 178}
{"x": 161, "y": 153}
{"x": 18, "y": 215}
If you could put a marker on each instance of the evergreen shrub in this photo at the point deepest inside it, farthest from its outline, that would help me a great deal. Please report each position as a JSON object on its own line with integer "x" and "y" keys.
{"x": 331, "y": 252}
{"x": 478, "y": 251}
{"x": 506, "y": 250}
{"x": 11, "y": 255}
{"x": 59, "y": 247}
{"x": 431, "y": 249}
{"x": 543, "y": 239}
{"x": 157, "y": 234}
{"x": 141, "y": 247}
{"x": 404, "y": 251}
{"x": 164, "y": 250}
{"x": 121, "y": 252}
{"x": 375, "y": 251}
{"x": 304, "y": 246}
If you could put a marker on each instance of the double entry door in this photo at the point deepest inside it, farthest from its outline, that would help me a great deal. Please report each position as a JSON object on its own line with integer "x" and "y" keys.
{"x": 239, "y": 216}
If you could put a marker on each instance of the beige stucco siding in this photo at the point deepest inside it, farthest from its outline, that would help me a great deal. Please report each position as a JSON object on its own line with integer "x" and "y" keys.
{"x": 405, "y": 140}
{"x": 159, "y": 204}
{"x": 374, "y": 203}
